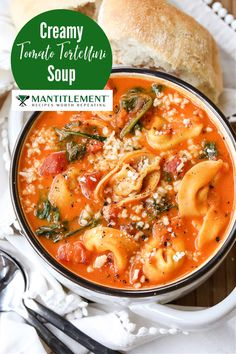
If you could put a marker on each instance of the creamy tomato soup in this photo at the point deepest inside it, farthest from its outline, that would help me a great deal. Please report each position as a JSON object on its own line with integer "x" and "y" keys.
{"x": 133, "y": 198}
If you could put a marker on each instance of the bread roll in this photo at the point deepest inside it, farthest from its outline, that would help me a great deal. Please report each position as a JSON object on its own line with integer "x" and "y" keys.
{"x": 155, "y": 34}
{"x": 23, "y": 10}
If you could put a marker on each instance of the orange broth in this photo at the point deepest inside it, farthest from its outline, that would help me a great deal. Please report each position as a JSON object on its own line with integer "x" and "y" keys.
{"x": 139, "y": 218}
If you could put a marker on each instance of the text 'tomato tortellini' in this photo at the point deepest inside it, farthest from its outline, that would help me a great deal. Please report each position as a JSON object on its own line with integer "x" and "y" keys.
{"x": 135, "y": 198}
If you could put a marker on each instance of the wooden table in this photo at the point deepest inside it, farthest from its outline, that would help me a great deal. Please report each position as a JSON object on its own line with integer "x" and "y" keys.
{"x": 224, "y": 279}
{"x": 230, "y": 5}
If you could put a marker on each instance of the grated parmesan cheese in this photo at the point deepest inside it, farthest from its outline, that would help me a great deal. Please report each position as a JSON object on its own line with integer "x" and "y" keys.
{"x": 165, "y": 220}
{"x": 100, "y": 261}
{"x": 178, "y": 255}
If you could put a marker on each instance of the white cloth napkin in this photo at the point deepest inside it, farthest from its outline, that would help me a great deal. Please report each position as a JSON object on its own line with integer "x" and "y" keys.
{"x": 7, "y": 35}
{"x": 115, "y": 327}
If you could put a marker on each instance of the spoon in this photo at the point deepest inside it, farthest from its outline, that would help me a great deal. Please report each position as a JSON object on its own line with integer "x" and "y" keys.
{"x": 13, "y": 284}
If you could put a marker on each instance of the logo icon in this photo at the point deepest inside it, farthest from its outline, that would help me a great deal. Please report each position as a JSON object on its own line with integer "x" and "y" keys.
{"x": 22, "y": 99}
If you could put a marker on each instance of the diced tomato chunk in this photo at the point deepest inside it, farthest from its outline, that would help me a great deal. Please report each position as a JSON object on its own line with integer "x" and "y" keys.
{"x": 171, "y": 166}
{"x": 88, "y": 182}
{"x": 109, "y": 85}
{"x": 54, "y": 164}
{"x": 159, "y": 233}
{"x": 167, "y": 131}
{"x": 110, "y": 213}
{"x": 176, "y": 166}
{"x": 94, "y": 146}
{"x": 121, "y": 118}
{"x": 73, "y": 252}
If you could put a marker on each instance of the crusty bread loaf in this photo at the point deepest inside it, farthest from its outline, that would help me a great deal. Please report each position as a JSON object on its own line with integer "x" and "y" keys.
{"x": 23, "y": 10}
{"x": 153, "y": 33}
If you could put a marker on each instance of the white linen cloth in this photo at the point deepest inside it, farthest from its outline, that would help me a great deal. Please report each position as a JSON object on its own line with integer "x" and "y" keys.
{"x": 129, "y": 331}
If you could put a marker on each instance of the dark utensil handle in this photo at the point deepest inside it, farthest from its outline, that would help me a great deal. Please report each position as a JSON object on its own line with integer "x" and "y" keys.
{"x": 67, "y": 328}
{"x": 47, "y": 336}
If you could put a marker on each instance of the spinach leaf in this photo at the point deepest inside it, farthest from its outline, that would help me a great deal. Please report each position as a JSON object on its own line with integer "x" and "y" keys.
{"x": 157, "y": 88}
{"x": 66, "y": 133}
{"x": 52, "y": 232}
{"x": 46, "y": 211}
{"x": 75, "y": 151}
{"x": 137, "y": 105}
{"x": 162, "y": 206}
{"x": 167, "y": 176}
{"x": 210, "y": 151}
{"x": 91, "y": 224}
{"x": 129, "y": 103}
{"x": 57, "y": 232}
{"x": 138, "y": 126}
{"x": 137, "y": 89}
{"x": 55, "y": 215}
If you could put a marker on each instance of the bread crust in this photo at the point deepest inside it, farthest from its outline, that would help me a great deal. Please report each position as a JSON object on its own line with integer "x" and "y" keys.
{"x": 24, "y": 10}
{"x": 181, "y": 44}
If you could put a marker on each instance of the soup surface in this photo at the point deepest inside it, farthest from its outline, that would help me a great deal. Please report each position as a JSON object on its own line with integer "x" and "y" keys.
{"x": 133, "y": 198}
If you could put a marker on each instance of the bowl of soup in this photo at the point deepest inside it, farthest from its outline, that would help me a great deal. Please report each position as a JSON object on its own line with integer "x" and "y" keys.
{"x": 133, "y": 204}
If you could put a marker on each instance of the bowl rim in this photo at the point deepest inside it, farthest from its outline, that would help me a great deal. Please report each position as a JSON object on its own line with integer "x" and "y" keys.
{"x": 188, "y": 279}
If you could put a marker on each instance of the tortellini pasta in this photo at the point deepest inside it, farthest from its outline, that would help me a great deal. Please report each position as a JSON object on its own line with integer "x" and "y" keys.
{"x": 160, "y": 139}
{"x": 194, "y": 188}
{"x": 119, "y": 243}
{"x": 60, "y": 194}
{"x": 135, "y": 177}
{"x": 161, "y": 262}
{"x": 212, "y": 225}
